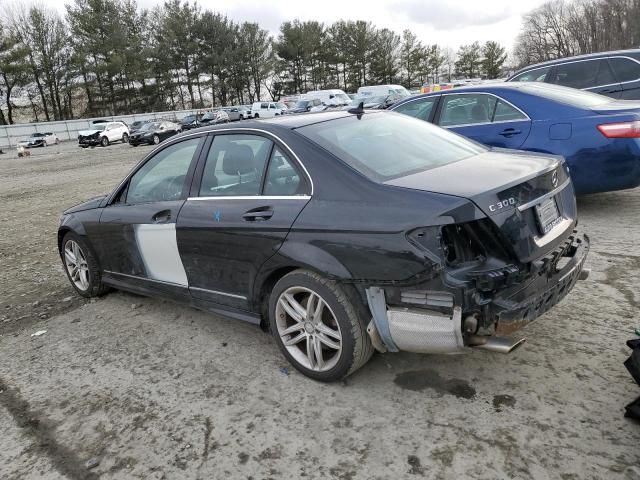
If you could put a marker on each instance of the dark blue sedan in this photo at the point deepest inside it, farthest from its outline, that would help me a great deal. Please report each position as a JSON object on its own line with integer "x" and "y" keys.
{"x": 598, "y": 136}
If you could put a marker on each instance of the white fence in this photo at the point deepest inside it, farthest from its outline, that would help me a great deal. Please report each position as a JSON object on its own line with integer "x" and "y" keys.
{"x": 10, "y": 135}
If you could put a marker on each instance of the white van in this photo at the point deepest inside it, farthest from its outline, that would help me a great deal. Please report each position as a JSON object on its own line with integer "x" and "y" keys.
{"x": 267, "y": 109}
{"x": 379, "y": 90}
{"x": 333, "y": 97}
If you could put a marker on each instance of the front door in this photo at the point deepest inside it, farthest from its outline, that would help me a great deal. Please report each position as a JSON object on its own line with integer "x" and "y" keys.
{"x": 484, "y": 118}
{"x": 245, "y": 197}
{"x": 136, "y": 236}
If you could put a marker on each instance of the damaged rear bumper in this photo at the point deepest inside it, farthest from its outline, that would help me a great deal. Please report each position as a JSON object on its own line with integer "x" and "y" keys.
{"x": 480, "y": 322}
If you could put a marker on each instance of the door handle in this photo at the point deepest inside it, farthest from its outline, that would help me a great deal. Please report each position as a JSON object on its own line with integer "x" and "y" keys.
{"x": 258, "y": 214}
{"x": 509, "y": 132}
{"x": 162, "y": 217}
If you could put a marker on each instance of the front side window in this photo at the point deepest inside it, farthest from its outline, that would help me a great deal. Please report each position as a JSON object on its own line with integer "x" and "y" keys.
{"x": 234, "y": 165}
{"x": 467, "y": 109}
{"x": 420, "y": 109}
{"x": 162, "y": 177}
{"x": 536, "y": 75}
{"x": 384, "y": 146}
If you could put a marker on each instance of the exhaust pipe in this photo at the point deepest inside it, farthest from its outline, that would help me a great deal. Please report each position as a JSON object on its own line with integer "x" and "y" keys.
{"x": 495, "y": 344}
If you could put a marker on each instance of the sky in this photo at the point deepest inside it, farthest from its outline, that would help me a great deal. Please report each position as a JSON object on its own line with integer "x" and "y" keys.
{"x": 448, "y": 23}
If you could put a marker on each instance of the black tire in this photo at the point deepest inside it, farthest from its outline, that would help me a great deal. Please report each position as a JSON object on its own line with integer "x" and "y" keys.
{"x": 96, "y": 287}
{"x": 357, "y": 348}
{"x": 156, "y": 139}
{"x": 257, "y": 115}
{"x": 125, "y": 138}
{"x": 104, "y": 141}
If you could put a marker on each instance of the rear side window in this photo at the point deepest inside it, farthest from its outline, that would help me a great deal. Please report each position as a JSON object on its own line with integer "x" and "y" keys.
{"x": 234, "y": 165}
{"x": 507, "y": 113}
{"x": 421, "y": 108}
{"x": 626, "y": 70}
{"x": 282, "y": 177}
{"x": 536, "y": 75}
{"x": 467, "y": 109}
{"x": 577, "y": 74}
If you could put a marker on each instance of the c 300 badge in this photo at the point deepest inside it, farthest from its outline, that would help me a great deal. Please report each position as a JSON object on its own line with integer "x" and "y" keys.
{"x": 509, "y": 202}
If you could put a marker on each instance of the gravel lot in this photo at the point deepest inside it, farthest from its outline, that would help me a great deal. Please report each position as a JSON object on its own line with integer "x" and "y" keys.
{"x": 154, "y": 390}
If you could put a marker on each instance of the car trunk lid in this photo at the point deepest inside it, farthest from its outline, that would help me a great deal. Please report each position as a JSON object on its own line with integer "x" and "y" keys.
{"x": 528, "y": 197}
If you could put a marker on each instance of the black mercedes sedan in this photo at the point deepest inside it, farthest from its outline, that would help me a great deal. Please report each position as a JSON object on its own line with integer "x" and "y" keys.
{"x": 153, "y": 133}
{"x": 340, "y": 232}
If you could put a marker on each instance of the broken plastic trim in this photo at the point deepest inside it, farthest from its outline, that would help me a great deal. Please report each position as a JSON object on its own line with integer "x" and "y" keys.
{"x": 378, "y": 306}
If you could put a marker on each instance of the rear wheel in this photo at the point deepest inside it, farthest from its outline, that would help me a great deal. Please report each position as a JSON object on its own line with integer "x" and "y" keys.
{"x": 81, "y": 266}
{"x": 317, "y": 326}
{"x": 156, "y": 139}
{"x": 125, "y": 138}
{"x": 104, "y": 141}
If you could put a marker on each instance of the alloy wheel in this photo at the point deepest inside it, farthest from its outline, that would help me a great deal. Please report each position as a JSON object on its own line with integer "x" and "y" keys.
{"x": 308, "y": 329}
{"x": 156, "y": 139}
{"x": 76, "y": 264}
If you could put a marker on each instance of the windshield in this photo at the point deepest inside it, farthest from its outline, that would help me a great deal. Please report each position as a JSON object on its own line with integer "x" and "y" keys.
{"x": 189, "y": 118}
{"x": 569, "y": 96}
{"x": 343, "y": 97}
{"x": 303, "y": 103}
{"x": 384, "y": 146}
{"x": 100, "y": 127}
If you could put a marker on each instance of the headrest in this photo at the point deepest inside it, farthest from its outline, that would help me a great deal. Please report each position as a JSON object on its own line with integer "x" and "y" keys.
{"x": 238, "y": 159}
{"x": 479, "y": 113}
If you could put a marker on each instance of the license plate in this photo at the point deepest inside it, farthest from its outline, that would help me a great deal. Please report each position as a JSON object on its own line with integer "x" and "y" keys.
{"x": 548, "y": 215}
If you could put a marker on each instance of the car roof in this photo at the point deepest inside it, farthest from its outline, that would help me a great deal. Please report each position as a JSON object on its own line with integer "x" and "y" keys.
{"x": 630, "y": 52}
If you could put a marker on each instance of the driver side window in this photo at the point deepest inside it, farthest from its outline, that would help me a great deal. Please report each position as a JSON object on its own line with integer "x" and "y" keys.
{"x": 162, "y": 177}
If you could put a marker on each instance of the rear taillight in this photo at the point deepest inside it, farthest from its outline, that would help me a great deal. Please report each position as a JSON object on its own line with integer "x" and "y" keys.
{"x": 620, "y": 130}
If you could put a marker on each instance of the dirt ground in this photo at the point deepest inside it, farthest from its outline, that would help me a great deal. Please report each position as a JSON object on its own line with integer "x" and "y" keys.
{"x": 149, "y": 389}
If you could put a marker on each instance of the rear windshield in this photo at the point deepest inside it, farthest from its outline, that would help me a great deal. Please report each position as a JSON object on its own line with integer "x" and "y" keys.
{"x": 566, "y": 95}
{"x": 384, "y": 146}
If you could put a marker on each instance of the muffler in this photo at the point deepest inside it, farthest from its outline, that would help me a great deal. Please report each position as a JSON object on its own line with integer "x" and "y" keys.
{"x": 495, "y": 344}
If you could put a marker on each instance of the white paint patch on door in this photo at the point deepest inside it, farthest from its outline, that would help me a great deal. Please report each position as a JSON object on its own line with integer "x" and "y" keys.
{"x": 159, "y": 249}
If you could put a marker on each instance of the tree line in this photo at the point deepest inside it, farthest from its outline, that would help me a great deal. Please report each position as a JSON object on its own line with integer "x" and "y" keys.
{"x": 108, "y": 57}
{"x": 563, "y": 28}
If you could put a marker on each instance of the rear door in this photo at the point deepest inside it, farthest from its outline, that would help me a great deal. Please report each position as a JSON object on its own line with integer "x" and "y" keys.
{"x": 627, "y": 72}
{"x": 136, "y": 236}
{"x": 247, "y": 192}
{"x": 485, "y": 118}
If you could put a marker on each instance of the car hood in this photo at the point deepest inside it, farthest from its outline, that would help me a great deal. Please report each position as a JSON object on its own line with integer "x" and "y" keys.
{"x": 507, "y": 186}
{"x": 86, "y": 205}
{"x": 86, "y": 133}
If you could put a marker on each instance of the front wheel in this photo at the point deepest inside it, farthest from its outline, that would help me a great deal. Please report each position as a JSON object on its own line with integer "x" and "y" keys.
{"x": 125, "y": 138}
{"x": 318, "y": 327}
{"x": 81, "y": 266}
{"x": 104, "y": 141}
{"x": 156, "y": 139}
